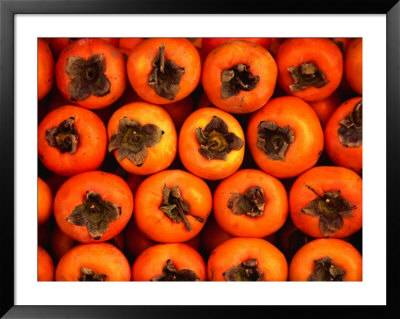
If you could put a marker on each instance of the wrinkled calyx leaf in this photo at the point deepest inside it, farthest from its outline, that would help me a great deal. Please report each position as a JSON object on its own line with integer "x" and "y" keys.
{"x": 215, "y": 140}
{"x": 87, "y": 77}
{"x": 245, "y": 271}
{"x": 350, "y": 129}
{"x": 274, "y": 140}
{"x": 88, "y": 274}
{"x": 95, "y": 214}
{"x": 236, "y": 79}
{"x": 251, "y": 203}
{"x": 170, "y": 273}
{"x": 166, "y": 75}
{"x": 133, "y": 139}
{"x": 325, "y": 270}
{"x": 330, "y": 208}
{"x": 305, "y": 76}
{"x": 64, "y": 137}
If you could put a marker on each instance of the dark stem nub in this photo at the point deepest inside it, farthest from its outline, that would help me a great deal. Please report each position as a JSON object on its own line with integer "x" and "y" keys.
{"x": 64, "y": 137}
{"x": 325, "y": 270}
{"x": 251, "y": 203}
{"x": 236, "y": 79}
{"x": 350, "y": 129}
{"x": 306, "y": 75}
{"x": 170, "y": 273}
{"x": 88, "y": 274}
{"x": 245, "y": 271}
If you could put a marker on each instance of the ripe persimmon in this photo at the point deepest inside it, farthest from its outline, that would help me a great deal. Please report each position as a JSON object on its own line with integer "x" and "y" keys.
{"x": 285, "y": 137}
{"x": 45, "y": 69}
{"x": 45, "y": 265}
{"x": 93, "y": 206}
{"x": 239, "y": 76}
{"x": 342, "y": 43}
{"x": 326, "y": 201}
{"x": 60, "y": 243}
{"x": 209, "y": 44}
{"x": 353, "y": 65}
{"x": 326, "y": 107}
{"x": 45, "y": 201}
{"x": 126, "y": 45}
{"x": 179, "y": 110}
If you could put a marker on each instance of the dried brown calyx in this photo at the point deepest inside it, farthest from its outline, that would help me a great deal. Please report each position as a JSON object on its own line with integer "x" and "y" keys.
{"x": 215, "y": 140}
{"x": 330, "y": 208}
{"x": 175, "y": 207}
{"x": 245, "y": 271}
{"x": 166, "y": 75}
{"x": 251, "y": 203}
{"x": 305, "y": 76}
{"x": 170, "y": 273}
{"x": 87, "y": 77}
{"x": 95, "y": 214}
{"x": 236, "y": 79}
{"x": 350, "y": 129}
{"x": 88, "y": 274}
{"x": 274, "y": 140}
{"x": 64, "y": 137}
{"x": 133, "y": 139}
{"x": 325, "y": 270}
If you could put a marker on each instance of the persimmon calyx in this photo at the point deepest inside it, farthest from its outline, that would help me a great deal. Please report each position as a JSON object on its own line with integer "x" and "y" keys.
{"x": 170, "y": 273}
{"x": 350, "y": 129}
{"x": 88, "y": 274}
{"x": 236, "y": 79}
{"x": 274, "y": 140}
{"x": 87, "y": 77}
{"x": 133, "y": 139}
{"x": 95, "y": 214}
{"x": 216, "y": 141}
{"x": 325, "y": 270}
{"x": 251, "y": 203}
{"x": 175, "y": 207}
{"x": 330, "y": 208}
{"x": 166, "y": 75}
{"x": 64, "y": 137}
{"x": 306, "y": 75}
{"x": 245, "y": 271}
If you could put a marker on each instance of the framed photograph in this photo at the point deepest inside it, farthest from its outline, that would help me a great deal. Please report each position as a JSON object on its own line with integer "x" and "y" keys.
{"x": 273, "y": 34}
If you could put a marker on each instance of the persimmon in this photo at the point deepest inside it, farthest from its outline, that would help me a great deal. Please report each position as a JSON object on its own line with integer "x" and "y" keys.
{"x": 285, "y": 137}
{"x": 60, "y": 243}
{"x": 309, "y": 68}
{"x": 93, "y": 262}
{"x": 136, "y": 241}
{"x": 45, "y": 201}
{"x": 250, "y": 203}
{"x": 142, "y": 137}
{"x": 126, "y": 45}
{"x": 326, "y": 259}
{"x": 93, "y": 206}
{"x": 59, "y": 44}
{"x": 211, "y": 143}
{"x": 343, "y": 135}
{"x": 326, "y": 107}
{"x": 172, "y": 206}
{"x": 247, "y": 259}
{"x": 326, "y": 201}
{"x": 353, "y": 65}
{"x": 209, "y": 44}
{"x": 45, "y": 265}
{"x": 91, "y": 73}
{"x": 45, "y": 69}
{"x": 239, "y": 76}
{"x": 169, "y": 262}
{"x": 164, "y": 70}
{"x": 134, "y": 181}
{"x": 212, "y": 235}
{"x": 71, "y": 140}
{"x": 342, "y": 43}
{"x": 179, "y": 110}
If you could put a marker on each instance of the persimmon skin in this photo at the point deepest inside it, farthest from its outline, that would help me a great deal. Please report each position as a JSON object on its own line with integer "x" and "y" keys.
{"x": 45, "y": 201}
{"x": 353, "y": 65}
{"x": 150, "y": 262}
{"x": 236, "y": 250}
{"x": 102, "y": 258}
{"x": 323, "y": 179}
{"x": 45, "y": 265}
{"x": 188, "y": 146}
{"x": 308, "y": 143}
{"x": 326, "y": 107}
{"x": 45, "y": 69}
{"x": 343, "y": 254}
{"x": 209, "y": 44}
{"x": 341, "y": 155}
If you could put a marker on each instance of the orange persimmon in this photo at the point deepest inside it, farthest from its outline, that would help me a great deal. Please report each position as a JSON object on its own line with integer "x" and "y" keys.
{"x": 326, "y": 107}
{"x": 45, "y": 201}
{"x": 45, "y": 265}
{"x": 126, "y": 45}
{"x": 60, "y": 243}
{"x": 45, "y": 69}
{"x": 212, "y": 235}
{"x": 209, "y": 44}
{"x": 353, "y": 65}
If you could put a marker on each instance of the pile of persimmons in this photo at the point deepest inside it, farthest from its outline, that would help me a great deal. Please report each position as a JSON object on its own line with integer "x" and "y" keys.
{"x": 220, "y": 159}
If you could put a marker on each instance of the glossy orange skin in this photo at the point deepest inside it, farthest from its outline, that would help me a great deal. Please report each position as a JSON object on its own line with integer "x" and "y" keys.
{"x": 343, "y": 255}
{"x": 353, "y": 65}
{"x": 115, "y": 70}
{"x": 349, "y": 157}
{"x": 209, "y": 44}
{"x": 45, "y": 201}
{"x": 324, "y": 53}
{"x": 45, "y": 265}
{"x": 308, "y": 143}
{"x": 326, "y": 107}
{"x": 58, "y": 44}
{"x": 73, "y": 192}
{"x": 159, "y": 156}
{"x": 237, "y": 250}
{"x": 150, "y": 262}
{"x": 275, "y": 209}
{"x": 92, "y": 141}
{"x": 102, "y": 258}
{"x": 179, "y": 50}
{"x": 154, "y": 223}
{"x": 179, "y": 110}
{"x": 60, "y": 243}
{"x": 259, "y": 62}
{"x": 45, "y": 69}
{"x": 188, "y": 146}
{"x": 323, "y": 179}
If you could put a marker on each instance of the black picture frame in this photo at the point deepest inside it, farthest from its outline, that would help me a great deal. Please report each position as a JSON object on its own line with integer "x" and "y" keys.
{"x": 8, "y": 10}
